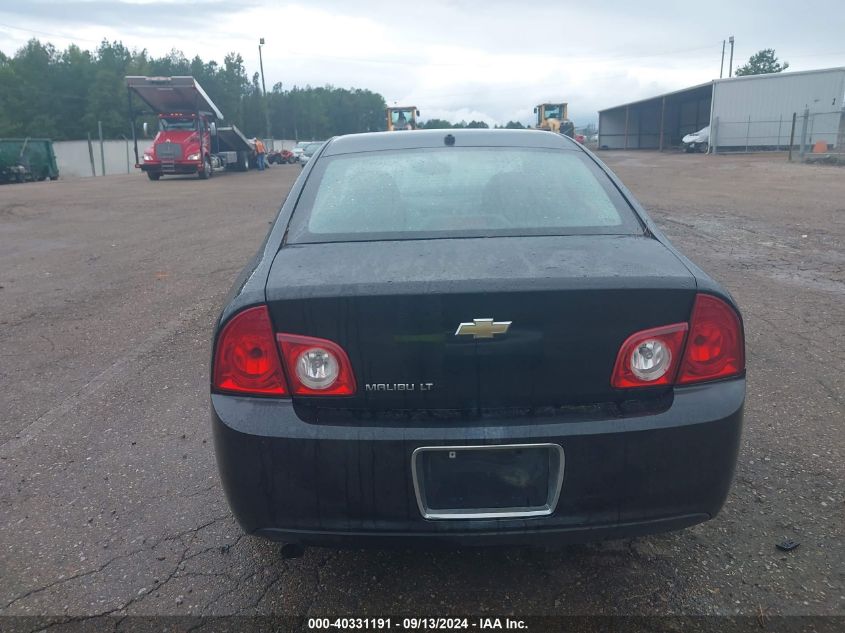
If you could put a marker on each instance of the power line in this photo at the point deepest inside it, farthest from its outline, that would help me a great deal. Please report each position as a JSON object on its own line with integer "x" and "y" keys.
{"x": 824, "y": 54}
{"x": 386, "y": 62}
{"x": 48, "y": 33}
{"x": 418, "y": 62}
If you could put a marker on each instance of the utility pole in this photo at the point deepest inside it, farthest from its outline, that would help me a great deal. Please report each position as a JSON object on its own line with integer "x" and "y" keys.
{"x": 731, "y": 63}
{"x": 261, "y": 63}
{"x": 102, "y": 151}
{"x": 722, "y": 67}
{"x": 264, "y": 91}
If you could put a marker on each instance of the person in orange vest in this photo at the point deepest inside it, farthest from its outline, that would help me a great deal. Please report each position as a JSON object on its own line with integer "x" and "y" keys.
{"x": 260, "y": 153}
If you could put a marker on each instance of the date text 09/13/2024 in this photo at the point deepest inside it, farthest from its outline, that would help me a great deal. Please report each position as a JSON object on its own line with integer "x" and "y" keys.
{"x": 417, "y": 624}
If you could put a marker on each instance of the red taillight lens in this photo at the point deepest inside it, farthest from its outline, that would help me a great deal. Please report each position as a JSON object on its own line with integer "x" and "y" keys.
{"x": 246, "y": 359}
{"x": 715, "y": 346}
{"x": 649, "y": 358}
{"x": 316, "y": 367}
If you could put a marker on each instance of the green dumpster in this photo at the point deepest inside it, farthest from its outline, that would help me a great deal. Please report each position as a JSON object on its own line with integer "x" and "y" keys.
{"x": 23, "y": 159}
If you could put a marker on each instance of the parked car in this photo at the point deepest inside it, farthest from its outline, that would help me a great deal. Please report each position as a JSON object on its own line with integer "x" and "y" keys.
{"x": 308, "y": 151}
{"x": 278, "y": 157}
{"x": 299, "y": 147}
{"x": 472, "y": 337}
{"x": 697, "y": 141}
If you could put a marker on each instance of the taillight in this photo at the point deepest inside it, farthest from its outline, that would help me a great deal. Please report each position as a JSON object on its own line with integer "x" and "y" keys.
{"x": 246, "y": 359}
{"x": 249, "y": 358}
{"x": 715, "y": 346}
{"x": 650, "y": 357}
{"x": 709, "y": 348}
{"x": 316, "y": 367}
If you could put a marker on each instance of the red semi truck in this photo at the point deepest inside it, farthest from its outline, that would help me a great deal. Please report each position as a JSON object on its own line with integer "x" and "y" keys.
{"x": 188, "y": 140}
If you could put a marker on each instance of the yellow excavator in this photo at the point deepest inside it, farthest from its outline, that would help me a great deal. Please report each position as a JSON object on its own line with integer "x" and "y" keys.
{"x": 554, "y": 117}
{"x": 402, "y": 118}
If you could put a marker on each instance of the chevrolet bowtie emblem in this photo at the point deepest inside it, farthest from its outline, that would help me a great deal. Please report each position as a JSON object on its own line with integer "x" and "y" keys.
{"x": 483, "y": 328}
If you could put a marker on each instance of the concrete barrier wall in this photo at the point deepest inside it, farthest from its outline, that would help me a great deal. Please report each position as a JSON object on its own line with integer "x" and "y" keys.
{"x": 74, "y": 161}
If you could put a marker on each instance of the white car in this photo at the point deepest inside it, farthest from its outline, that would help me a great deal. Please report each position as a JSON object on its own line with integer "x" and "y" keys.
{"x": 298, "y": 148}
{"x": 308, "y": 151}
{"x": 697, "y": 141}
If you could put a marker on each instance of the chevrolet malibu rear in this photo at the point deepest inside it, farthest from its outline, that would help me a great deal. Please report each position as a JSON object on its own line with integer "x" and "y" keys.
{"x": 470, "y": 338}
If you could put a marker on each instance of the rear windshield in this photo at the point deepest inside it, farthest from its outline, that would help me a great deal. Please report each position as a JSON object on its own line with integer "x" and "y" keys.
{"x": 458, "y": 192}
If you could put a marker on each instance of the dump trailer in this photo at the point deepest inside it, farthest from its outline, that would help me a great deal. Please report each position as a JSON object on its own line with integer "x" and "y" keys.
{"x": 188, "y": 140}
{"x": 23, "y": 159}
{"x": 554, "y": 117}
{"x": 402, "y": 118}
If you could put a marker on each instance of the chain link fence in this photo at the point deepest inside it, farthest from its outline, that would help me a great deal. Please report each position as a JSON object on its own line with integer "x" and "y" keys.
{"x": 807, "y": 136}
{"x": 822, "y": 137}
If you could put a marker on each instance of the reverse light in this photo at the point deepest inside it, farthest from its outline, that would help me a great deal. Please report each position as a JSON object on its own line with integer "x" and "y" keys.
{"x": 650, "y": 360}
{"x": 246, "y": 359}
{"x": 316, "y": 367}
{"x": 650, "y": 357}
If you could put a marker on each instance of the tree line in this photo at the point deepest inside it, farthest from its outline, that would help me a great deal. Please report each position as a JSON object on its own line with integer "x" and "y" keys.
{"x": 63, "y": 94}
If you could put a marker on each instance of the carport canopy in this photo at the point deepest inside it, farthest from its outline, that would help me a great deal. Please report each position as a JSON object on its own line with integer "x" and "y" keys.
{"x": 658, "y": 122}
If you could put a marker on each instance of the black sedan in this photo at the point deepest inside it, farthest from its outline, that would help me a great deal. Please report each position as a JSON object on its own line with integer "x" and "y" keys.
{"x": 472, "y": 337}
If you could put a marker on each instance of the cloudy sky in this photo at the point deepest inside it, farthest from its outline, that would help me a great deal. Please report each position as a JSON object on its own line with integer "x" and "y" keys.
{"x": 456, "y": 59}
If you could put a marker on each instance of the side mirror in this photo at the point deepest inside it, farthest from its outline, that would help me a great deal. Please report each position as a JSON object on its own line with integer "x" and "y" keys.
{"x": 418, "y": 112}
{"x": 146, "y": 129}
{"x": 213, "y": 128}
{"x": 535, "y": 110}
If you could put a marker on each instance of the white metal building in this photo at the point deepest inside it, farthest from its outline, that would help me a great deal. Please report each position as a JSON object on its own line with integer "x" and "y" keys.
{"x": 750, "y": 112}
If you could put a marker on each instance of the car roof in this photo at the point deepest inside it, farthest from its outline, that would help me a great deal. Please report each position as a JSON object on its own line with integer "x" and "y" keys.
{"x": 475, "y": 137}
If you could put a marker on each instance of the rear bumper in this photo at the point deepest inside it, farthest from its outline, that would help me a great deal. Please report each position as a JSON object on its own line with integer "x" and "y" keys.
{"x": 326, "y": 484}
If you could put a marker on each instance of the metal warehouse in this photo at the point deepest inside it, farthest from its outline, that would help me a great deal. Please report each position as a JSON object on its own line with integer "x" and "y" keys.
{"x": 751, "y": 112}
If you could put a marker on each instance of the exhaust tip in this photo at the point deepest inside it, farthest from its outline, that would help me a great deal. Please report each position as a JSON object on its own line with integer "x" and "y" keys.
{"x": 292, "y": 550}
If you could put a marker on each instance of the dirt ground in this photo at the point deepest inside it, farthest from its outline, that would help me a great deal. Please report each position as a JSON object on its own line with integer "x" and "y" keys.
{"x": 109, "y": 497}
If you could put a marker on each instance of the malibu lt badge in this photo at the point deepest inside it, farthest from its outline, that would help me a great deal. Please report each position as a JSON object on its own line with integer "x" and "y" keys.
{"x": 399, "y": 386}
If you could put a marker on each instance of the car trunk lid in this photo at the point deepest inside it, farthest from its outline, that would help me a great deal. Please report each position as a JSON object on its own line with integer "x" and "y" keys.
{"x": 396, "y": 306}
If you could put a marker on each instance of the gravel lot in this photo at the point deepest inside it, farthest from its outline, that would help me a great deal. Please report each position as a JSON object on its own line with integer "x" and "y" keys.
{"x": 109, "y": 496}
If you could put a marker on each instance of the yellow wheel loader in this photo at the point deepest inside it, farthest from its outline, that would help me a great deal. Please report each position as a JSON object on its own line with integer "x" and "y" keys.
{"x": 554, "y": 117}
{"x": 402, "y": 118}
